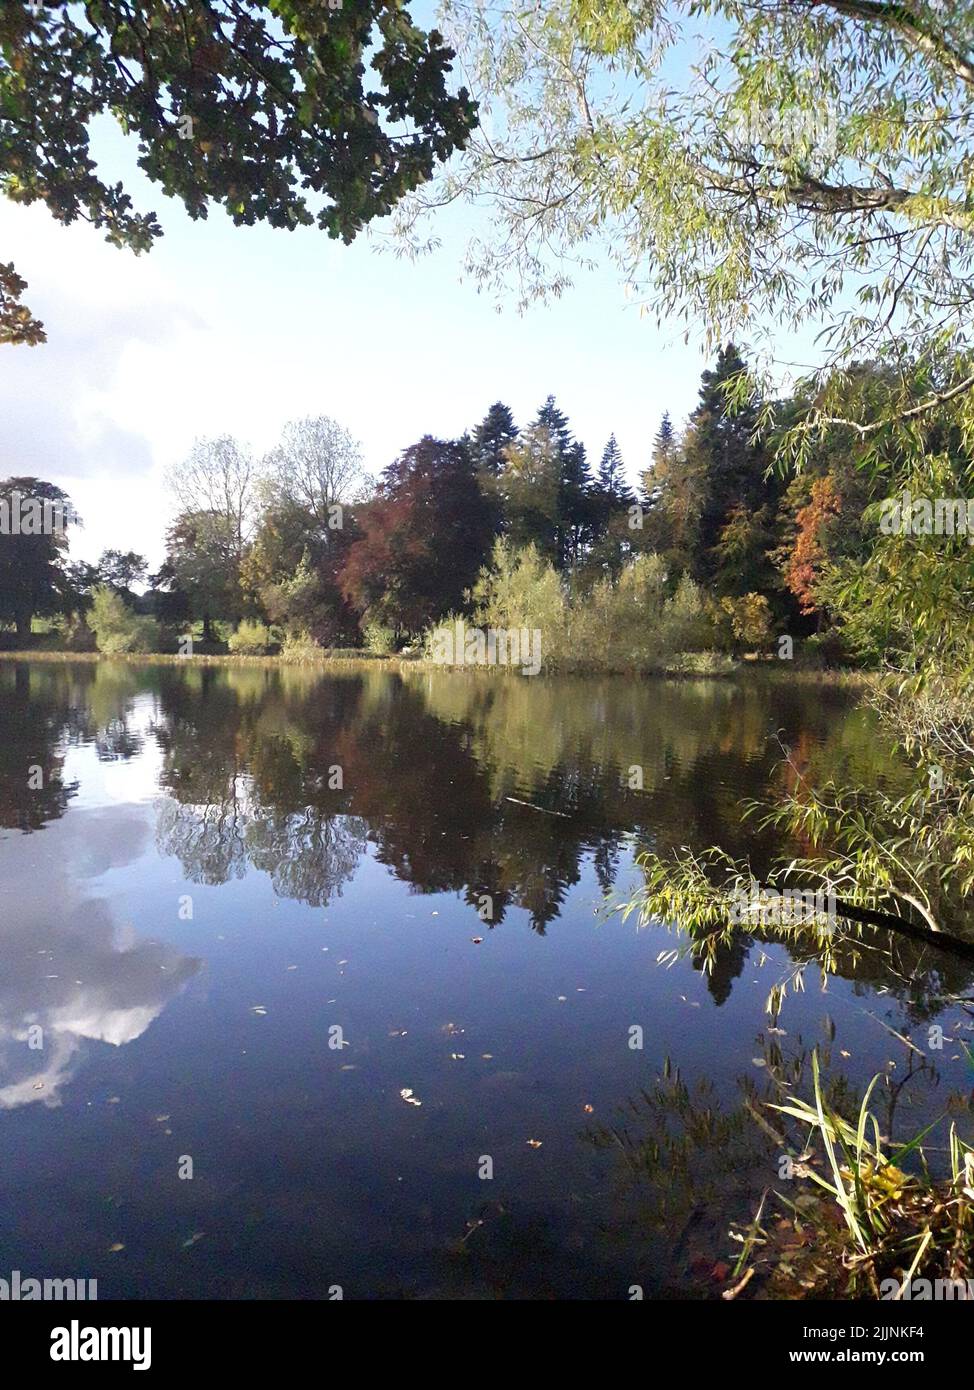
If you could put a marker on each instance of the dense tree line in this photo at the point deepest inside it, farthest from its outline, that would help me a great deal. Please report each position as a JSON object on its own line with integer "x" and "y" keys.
{"x": 508, "y": 523}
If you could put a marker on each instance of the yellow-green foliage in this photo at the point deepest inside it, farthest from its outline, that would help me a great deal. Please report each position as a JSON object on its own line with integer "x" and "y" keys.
{"x": 251, "y": 639}
{"x": 117, "y": 628}
{"x": 634, "y": 623}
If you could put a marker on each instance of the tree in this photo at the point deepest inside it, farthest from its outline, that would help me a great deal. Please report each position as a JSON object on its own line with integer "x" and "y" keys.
{"x": 612, "y": 476}
{"x": 609, "y": 534}
{"x": 804, "y": 563}
{"x": 424, "y": 538}
{"x": 528, "y": 486}
{"x": 291, "y": 571}
{"x": 721, "y": 435}
{"x": 316, "y": 466}
{"x": 522, "y": 589}
{"x": 122, "y": 570}
{"x": 260, "y": 105}
{"x": 575, "y": 516}
{"x": 491, "y": 437}
{"x": 664, "y": 449}
{"x": 219, "y": 478}
{"x": 116, "y": 627}
{"x": 32, "y": 551}
{"x": 202, "y": 564}
{"x": 80, "y": 580}
{"x": 823, "y": 148}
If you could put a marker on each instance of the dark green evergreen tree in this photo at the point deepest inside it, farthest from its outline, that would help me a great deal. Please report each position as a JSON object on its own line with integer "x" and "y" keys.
{"x": 491, "y": 437}
{"x": 615, "y": 490}
{"x": 576, "y": 518}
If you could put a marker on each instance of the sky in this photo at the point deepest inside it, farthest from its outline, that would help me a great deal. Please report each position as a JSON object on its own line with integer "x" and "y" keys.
{"x": 229, "y": 330}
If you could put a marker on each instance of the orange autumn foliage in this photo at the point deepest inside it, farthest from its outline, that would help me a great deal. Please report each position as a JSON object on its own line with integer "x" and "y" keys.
{"x": 802, "y": 570}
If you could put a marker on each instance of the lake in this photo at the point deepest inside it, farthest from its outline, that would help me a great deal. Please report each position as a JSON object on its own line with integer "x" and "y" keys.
{"x": 305, "y": 985}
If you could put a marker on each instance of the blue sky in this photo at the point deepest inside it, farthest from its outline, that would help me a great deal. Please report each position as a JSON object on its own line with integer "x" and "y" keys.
{"x": 226, "y": 330}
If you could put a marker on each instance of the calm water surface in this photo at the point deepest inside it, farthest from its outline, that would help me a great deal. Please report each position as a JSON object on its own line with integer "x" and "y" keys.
{"x": 243, "y": 908}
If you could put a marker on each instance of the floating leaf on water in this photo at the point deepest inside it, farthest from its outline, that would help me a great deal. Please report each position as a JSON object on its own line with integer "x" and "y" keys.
{"x": 114, "y": 1249}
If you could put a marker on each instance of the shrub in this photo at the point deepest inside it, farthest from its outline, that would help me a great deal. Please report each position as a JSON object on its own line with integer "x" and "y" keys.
{"x": 379, "y": 639}
{"x": 300, "y": 647}
{"x": 700, "y": 664}
{"x": 523, "y": 590}
{"x": 117, "y": 628}
{"x": 251, "y": 639}
{"x": 750, "y": 619}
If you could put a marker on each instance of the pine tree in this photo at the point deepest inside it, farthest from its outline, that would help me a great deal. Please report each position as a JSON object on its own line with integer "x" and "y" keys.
{"x": 528, "y": 486}
{"x": 665, "y": 442}
{"x": 576, "y": 521}
{"x": 491, "y": 437}
{"x": 720, "y": 443}
{"x": 612, "y": 477}
{"x": 663, "y": 453}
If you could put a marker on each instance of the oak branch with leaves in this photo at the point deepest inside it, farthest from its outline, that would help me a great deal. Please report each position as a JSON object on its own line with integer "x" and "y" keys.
{"x": 290, "y": 112}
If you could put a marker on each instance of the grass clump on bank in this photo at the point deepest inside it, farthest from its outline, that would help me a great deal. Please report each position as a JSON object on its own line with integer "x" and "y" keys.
{"x": 894, "y": 1226}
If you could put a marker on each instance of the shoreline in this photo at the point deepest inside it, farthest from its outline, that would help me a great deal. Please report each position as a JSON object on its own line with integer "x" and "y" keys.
{"x": 774, "y": 670}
